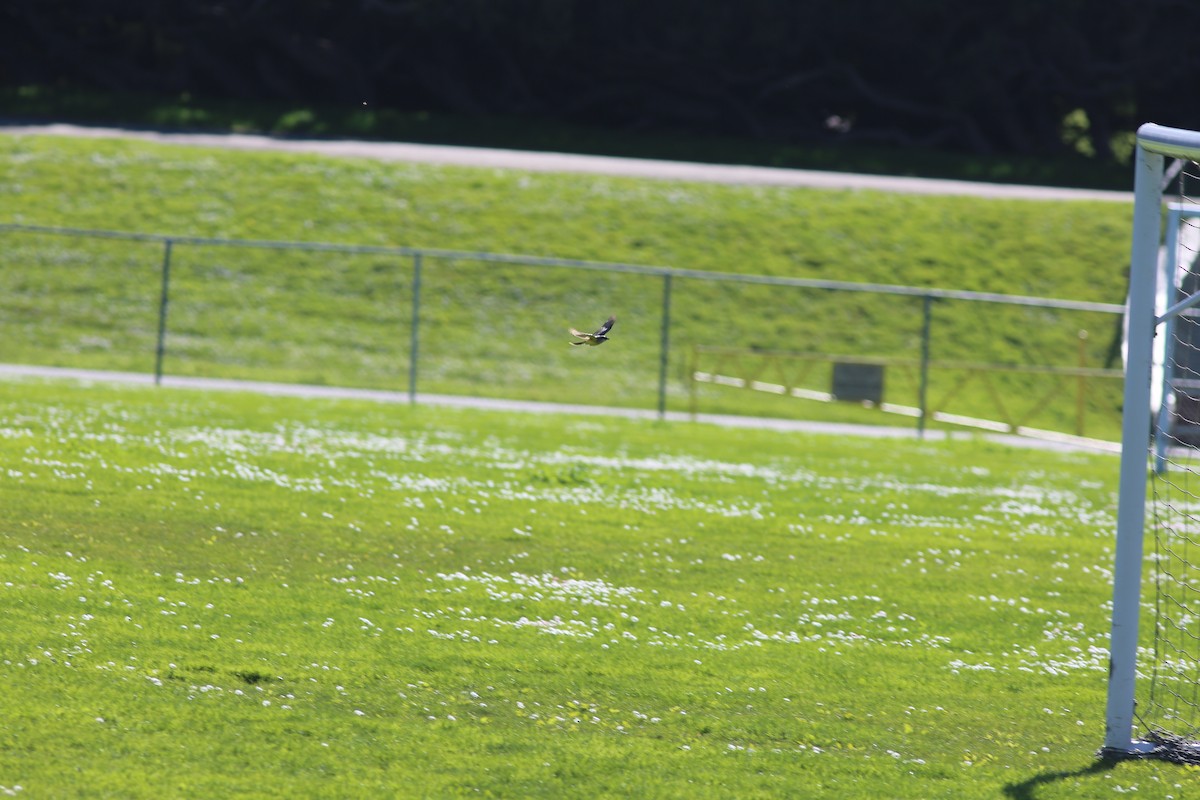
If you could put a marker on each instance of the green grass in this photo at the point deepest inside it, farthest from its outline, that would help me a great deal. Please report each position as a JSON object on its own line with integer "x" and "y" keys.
{"x": 343, "y": 319}
{"x": 218, "y": 594}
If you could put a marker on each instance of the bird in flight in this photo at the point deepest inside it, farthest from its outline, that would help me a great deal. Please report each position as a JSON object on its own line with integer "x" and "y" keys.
{"x": 593, "y": 339}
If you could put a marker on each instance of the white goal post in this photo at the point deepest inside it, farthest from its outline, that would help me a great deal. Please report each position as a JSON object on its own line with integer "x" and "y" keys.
{"x": 1147, "y": 316}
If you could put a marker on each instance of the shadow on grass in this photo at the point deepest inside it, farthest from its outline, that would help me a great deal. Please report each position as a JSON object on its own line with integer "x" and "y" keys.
{"x": 1027, "y": 790}
{"x": 173, "y": 112}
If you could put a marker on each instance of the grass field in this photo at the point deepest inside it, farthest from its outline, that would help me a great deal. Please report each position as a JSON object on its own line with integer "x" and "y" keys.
{"x": 345, "y": 320}
{"x": 222, "y": 594}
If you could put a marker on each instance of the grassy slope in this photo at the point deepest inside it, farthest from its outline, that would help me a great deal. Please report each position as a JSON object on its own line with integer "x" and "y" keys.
{"x": 223, "y": 594}
{"x": 345, "y": 320}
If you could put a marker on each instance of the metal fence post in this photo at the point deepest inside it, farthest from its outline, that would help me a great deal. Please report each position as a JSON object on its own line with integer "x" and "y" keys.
{"x": 1081, "y": 385}
{"x": 665, "y": 347}
{"x": 926, "y": 321}
{"x": 414, "y": 338}
{"x": 691, "y": 374}
{"x": 163, "y": 299}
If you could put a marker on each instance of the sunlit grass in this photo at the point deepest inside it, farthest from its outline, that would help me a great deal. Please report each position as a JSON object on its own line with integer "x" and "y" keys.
{"x": 333, "y": 318}
{"x": 220, "y": 594}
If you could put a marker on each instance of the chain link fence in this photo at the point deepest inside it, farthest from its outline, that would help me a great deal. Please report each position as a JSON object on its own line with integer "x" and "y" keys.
{"x": 495, "y": 325}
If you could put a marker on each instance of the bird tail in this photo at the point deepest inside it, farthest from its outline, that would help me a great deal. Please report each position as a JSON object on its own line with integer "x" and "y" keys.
{"x": 578, "y": 343}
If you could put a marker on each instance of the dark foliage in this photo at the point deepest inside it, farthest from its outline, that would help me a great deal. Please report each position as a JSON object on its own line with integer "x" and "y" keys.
{"x": 973, "y": 77}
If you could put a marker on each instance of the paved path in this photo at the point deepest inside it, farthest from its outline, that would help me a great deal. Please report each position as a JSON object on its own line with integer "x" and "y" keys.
{"x": 20, "y": 371}
{"x": 565, "y": 162}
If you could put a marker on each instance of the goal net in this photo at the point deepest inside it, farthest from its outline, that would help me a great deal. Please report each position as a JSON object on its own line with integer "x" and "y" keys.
{"x": 1154, "y": 677}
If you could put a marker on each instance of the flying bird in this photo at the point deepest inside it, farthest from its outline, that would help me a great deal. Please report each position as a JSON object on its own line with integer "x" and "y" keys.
{"x": 593, "y": 339}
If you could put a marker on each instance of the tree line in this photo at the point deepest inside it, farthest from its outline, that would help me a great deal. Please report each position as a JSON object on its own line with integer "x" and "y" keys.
{"x": 1028, "y": 77}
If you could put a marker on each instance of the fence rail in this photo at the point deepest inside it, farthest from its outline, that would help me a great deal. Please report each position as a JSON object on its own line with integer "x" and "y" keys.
{"x": 669, "y": 278}
{"x": 608, "y": 266}
{"x": 750, "y": 369}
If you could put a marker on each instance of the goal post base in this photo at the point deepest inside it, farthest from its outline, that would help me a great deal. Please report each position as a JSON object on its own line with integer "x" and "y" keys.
{"x": 1162, "y": 747}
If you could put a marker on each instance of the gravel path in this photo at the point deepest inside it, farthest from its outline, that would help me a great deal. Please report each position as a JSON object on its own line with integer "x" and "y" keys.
{"x": 565, "y": 162}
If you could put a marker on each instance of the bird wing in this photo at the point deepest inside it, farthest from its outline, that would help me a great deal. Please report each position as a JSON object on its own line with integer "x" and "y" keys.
{"x": 580, "y": 334}
{"x": 606, "y": 326}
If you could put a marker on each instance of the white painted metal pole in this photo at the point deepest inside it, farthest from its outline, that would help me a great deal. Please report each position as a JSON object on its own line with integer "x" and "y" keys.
{"x": 1135, "y": 440}
{"x": 1166, "y": 274}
